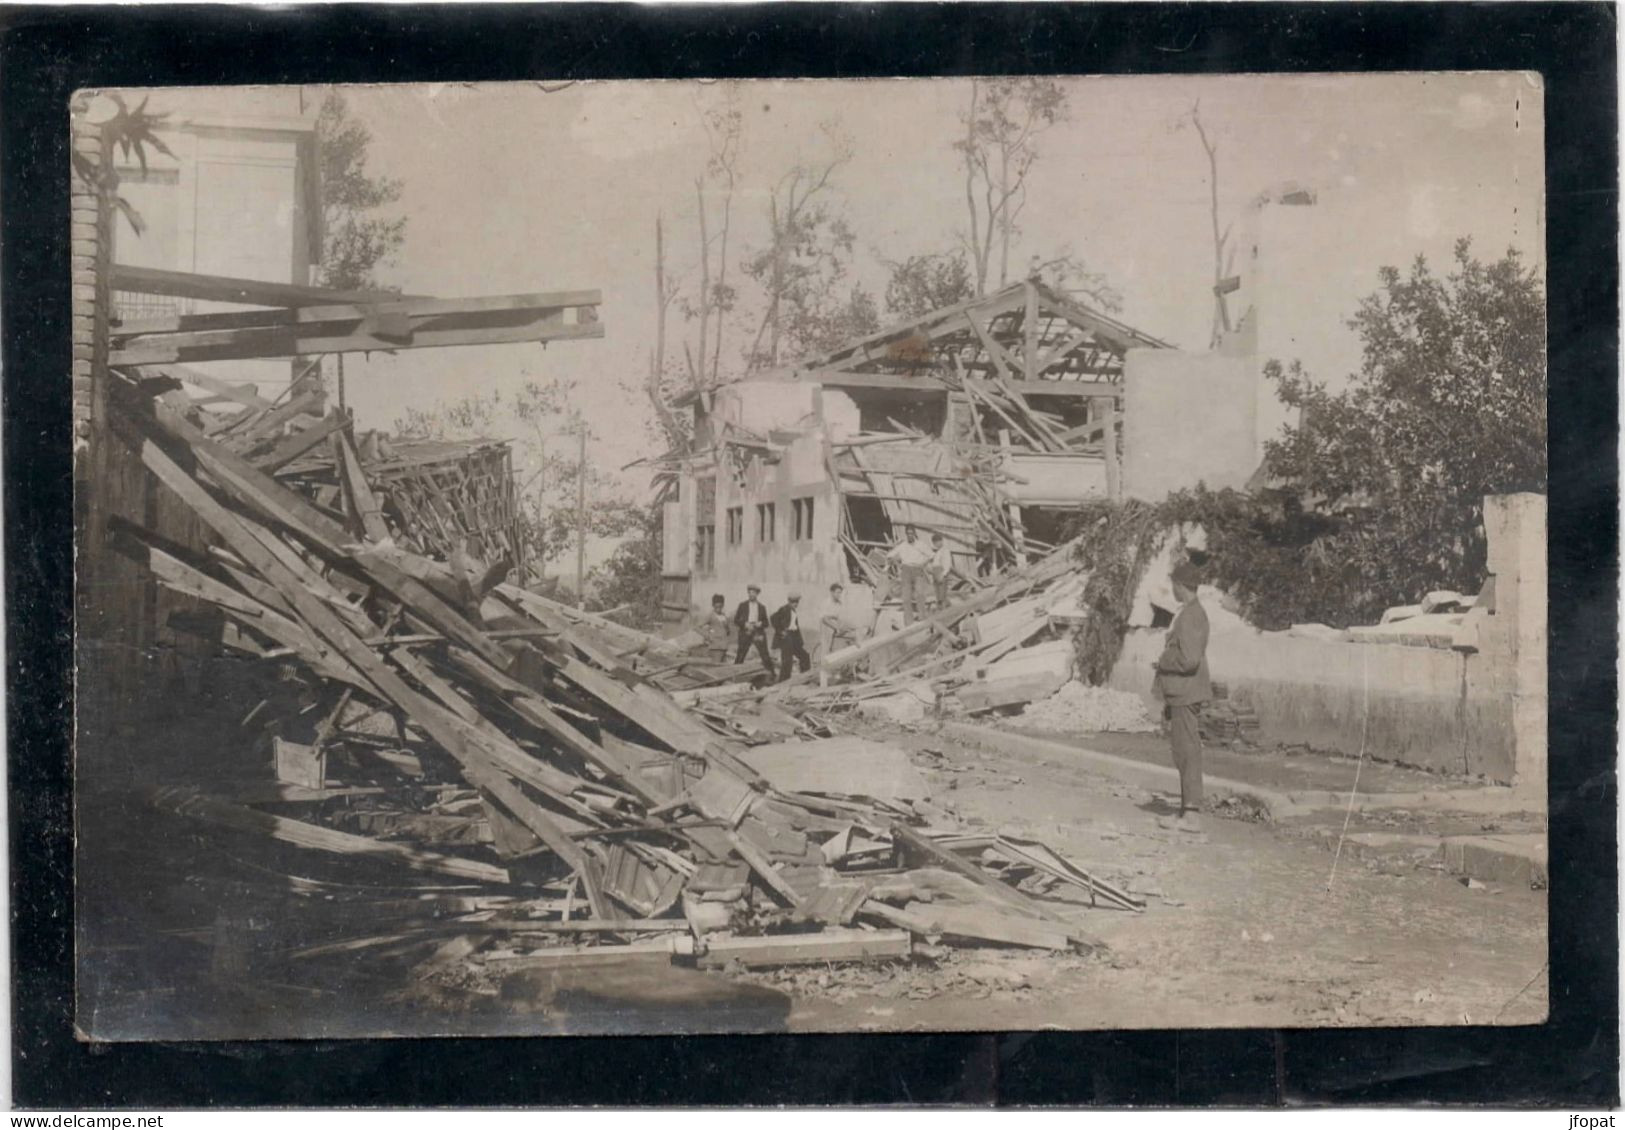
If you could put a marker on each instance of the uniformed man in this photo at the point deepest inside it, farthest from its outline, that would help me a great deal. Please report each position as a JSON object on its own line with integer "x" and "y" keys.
{"x": 1183, "y": 684}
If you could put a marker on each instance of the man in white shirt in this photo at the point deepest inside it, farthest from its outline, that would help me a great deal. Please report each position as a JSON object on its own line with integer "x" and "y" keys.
{"x": 941, "y": 568}
{"x": 911, "y": 558}
{"x": 838, "y": 630}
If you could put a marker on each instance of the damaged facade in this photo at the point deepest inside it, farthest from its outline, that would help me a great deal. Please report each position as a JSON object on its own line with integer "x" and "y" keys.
{"x": 986, "y": 422}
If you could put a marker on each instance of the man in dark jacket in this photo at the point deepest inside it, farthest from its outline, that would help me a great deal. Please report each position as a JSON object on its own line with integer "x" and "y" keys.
{"x": 1183, "y": 684}
{"x": 750, "y": 619}
{"x": 787, "y": 630}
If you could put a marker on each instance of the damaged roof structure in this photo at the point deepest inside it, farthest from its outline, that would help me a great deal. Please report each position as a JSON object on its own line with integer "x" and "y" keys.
{"x": 985, "y": 422}
{"x": 443, "y": 768}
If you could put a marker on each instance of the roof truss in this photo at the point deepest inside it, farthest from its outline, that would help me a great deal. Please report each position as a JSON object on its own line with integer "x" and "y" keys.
{"x": 1023, "y": 333}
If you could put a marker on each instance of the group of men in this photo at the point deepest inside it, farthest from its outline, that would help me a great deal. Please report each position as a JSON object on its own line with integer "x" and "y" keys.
{"x": 917, "y": 566}
{"x": 747, "y": 630}
{"x": 1181, "y": 680}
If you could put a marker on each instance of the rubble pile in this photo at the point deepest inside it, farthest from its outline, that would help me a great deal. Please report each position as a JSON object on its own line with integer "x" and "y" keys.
{"x": 487, "y": 783}
{"x": 1078, "y": 707}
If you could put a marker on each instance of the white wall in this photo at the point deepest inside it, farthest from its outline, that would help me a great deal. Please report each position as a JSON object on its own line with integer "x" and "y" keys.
{"x": 1188, "y": 418}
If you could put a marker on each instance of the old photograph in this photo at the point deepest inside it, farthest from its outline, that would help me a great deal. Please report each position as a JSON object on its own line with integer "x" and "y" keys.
{"x": 810, "y": 556}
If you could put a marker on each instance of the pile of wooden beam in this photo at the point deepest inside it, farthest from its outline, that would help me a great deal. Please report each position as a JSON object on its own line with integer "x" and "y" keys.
{"x": 461, "y": 730}
{"x": 1005, "y": 644}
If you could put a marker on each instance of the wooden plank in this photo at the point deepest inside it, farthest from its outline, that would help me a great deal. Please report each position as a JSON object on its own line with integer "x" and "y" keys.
{"x": 392, "y": 306}
{"x": 1067, "y": 389}
{"x": 363, "y": 503}
{"x": 827, "y": 945}
{"x": 235, "y": 345}
{"x": 245, "y": 292}
{"x": 312, "y": 403}
{"x": 764, "y": 869}
{"x": 658, "y": 951}
{"x": 292, "y": 447}
{"x": 911, "y": 843}
{"x": 245, "y": 394}
{"x": 985, "y": 925}
{"x": 326, "y": 623}
{"x": 195, "y": 805}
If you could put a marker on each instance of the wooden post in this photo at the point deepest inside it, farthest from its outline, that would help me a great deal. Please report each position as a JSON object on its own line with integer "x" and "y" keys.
{"x": 581, "y": 520}
{"x": 1029, "y": 325}
{"x": 1017, "y": 531}
{"x": 1108, "y": 449}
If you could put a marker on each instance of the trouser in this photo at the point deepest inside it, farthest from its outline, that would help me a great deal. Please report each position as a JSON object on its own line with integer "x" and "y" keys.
{"x": 791, "y": 647}
{"x": 1186, "y": 741}
{"x": 913, "y": 580}
{"x": 759, "y": 639}
{"x": 940, "y": 584}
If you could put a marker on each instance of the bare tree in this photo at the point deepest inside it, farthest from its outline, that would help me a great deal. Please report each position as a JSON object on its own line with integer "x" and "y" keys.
{"x": 1002, "y": 126}
{"x": 1221, "y": 311}
{"x": 723, "y": 128}
{"x": 654, "y": 385}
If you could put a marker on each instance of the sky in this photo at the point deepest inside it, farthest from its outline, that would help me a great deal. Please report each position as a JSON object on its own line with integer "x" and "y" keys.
{"x": 524, "y": 187}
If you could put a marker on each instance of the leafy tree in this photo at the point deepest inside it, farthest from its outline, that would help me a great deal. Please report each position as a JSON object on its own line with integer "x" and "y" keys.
{"x": 923, "y": 283}
{"x": 547, "y": 464}
{"x": 354, "y": 240}
{"x": 630, "y": 579}
{"x": 1449, "y": 406}
{"x": 804, "y": 266}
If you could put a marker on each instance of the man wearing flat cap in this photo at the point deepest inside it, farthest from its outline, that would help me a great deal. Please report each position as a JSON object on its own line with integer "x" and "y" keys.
{"x": 1183, "y": 684}
{"x": 750, "y": 618}
{"x": 787, "y": 633}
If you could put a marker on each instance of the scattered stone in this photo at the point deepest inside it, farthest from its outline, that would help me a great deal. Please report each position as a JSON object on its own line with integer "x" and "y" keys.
{"x": 1077, "y": 706}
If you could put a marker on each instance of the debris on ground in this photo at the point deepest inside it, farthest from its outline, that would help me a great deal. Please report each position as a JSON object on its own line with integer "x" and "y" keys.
{"x": 501, "y": 787}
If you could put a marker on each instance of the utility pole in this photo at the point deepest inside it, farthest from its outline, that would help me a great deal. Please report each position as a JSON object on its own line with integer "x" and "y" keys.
{"x": 581, "y": 519}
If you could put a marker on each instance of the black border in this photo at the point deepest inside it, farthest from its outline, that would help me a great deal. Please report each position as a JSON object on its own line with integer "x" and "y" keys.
{"x": 46, "y": 53}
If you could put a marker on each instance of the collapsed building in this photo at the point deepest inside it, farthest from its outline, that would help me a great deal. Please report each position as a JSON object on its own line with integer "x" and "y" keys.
{"x": 986, "y": 422}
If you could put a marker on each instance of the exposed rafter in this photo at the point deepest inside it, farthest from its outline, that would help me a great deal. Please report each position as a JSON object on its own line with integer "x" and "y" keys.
{"x": 413, "y": 323}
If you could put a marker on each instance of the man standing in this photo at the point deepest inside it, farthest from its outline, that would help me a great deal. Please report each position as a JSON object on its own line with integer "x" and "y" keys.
{"x": 941, "y": 568}
{"x": 911, "y": 558}
{"x": 787, "y": 631}
{"x": 750, "y": 620}
{"x": 716, "y": 629}
{"x": 838, "y": 631}
{"x": 1183, "y": 685}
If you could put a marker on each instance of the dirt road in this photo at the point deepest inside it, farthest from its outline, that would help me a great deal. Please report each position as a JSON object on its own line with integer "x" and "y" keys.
{"x": 1250, "y": 928}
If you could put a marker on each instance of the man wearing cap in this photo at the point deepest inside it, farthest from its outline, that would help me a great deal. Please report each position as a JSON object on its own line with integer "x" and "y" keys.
{"x": 1183, "y": 685}
{"x": 787, "y": 633}
{"x": 750, "y": 620}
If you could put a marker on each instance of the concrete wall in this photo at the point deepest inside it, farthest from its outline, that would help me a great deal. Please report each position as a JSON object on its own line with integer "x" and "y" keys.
{"x": 1188, "y": 418}
{"x": 1435, "y": 708}
{"x": 1450, "y": 709}
{"x": 1049, "y": 479}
